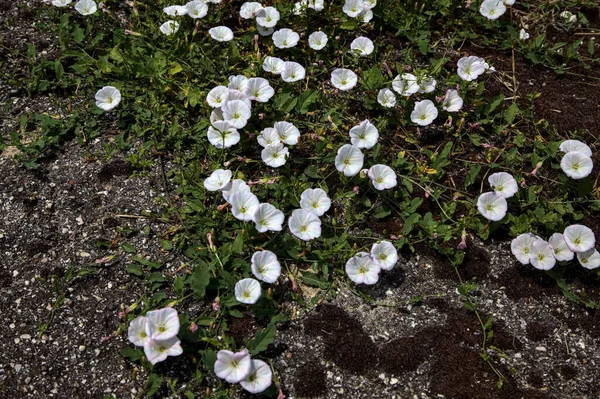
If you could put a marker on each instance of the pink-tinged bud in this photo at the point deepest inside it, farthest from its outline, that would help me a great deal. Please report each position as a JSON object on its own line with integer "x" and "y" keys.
{"x": 487, "y": 146}
{"x": 193, "y": 327}
{"x": 456, "y": 196}
{"x": 242, "y": 159}
{"x": 523, "y": 183}
{"x": 294, "y": 287}
{"x": 104, "y": 339}
{"x": 321, "y": 63}
{"x": 439, "y": 99}
{"x": 337, "y": 38}
{"x": 407, "y": 67}
{"x": 281, "y": 395}
{"x": 221, "y": 207}
{"x": 216, "y": 304}
{"x": 458, "y": 88}
{"x": 356, "y": 190}
{"x": 474, "y": 125}
{"x": 226, "y": 164}
{"x": 210, "y": 242}
{"x": 121, "y": 315}
{"x": 435, "y": 236}
{"x": 387, "y": 68}
{"x": 537, "y": 167}
{"x": 448, "y": 122}
{"x": 271, "y": 181}
{"x": 427, "y": 193}
{"x": 261, "y": 116}
{"x": 394, "y": 238}
{"x": 196, "y": 27}
{"x": 463, "y": 241}
{"x": 132, "y": 33}
{"x": 251, "y": 135}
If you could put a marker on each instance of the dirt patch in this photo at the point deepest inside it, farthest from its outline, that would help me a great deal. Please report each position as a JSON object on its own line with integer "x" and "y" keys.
{"x": 310, "y": 380}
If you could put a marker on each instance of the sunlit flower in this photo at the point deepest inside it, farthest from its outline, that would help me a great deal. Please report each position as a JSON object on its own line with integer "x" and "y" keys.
{"x": 235, "y": 186}
{"x": 268, "y": 136}
{"x": 86, "y": 7}
{"x": 108, "y": 97}
{"x": 317, "y": 40}
{"x": 265, "y": 266}
{"x": 233, "y": 94}
{"x": 221, "y": 33}
{"x": 364, "y": 135}
{"x": 492, "y": 206}
{"x": 267, "y": 17}
{"x": 386, "y": 98}
{"x": 469, "y": 68}
{"x": 576, "y": 165}
{"x": 236, "y": 112}
{"x": 575, "y": 146}
{"x": 426, "y": 84}
{"x": 273, "y": 65}
{"x": 369, "y": 4}
{"x": 363, "y": 46}
{"x": 589, "y": 259}
{"x": 274, "y": 155}
{"x": 317, "y": 5}
{"x": 353, "y": 7}
{"x": 382, "y": 176}
{"x": 523, "y": 35}
{"x": 158, "y": 350}
{"x": 233, "y": 367}
{"x": 452, "y": 101}
{"x": 238, "y": 82}
{"x": 137, "y": 331}
{"x": 247, "y": 291}
{"x": 349, "y": 160}
{"x": 343, "y": 79}
{"x": 492, "y": 9}
{"x": 216, "y": 115}
{"x": 304, "y": 225}
{"x": 258, "y": 89}
{"x": 243, "y": 205}
{"x": 362, "y": 269}
{"x": 521, "y": 247}
{"x": 365, "y": 16}
{"x": 579, "y": 238}
{"x": 285, "y": 38}
{"x": 264, "y": 31}
{"x": 61, "y": 3}
{"x": 249, "y": 10}
{"x": 196, "y": 9}
{"x": 509, "y": 2}
{"x": 315, "y": 201}
{"x": 268, "y": 218}
{"x": 504, "y": 184}
{"x": 385, "y": 254}
{"x": 561, "y": 250}
{"x": 405, "y": 84}
{"x": 222, "y": 135}
{"x": 424, "y": 113}
{"x": 218, "y": 180}
{"x": 175, "y": 11}
{"x": 162, "y": 324}
{"x": 288, "y": 133}
{"x": 292, "y": 71}
{"x": 170, "y": 27}
{"x": 542, "y": 255}
{"x": 217, "y": 96}
{"x": 260, "y": 377}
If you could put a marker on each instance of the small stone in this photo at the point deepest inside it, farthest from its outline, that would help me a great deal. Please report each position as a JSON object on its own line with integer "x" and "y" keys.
{"x": 79, "y": 220}
{"x": 541, "y": 348}
{"x": 393, "y": 381}
{"x": 18, "y": 367}
{"x": 81, "y": 348}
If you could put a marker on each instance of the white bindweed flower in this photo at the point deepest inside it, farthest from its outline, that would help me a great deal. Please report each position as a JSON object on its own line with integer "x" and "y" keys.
{"x": 61, "y": 3}
{"x": 274, "y": 155}
{"x": 197, "y": 9}
{"x": 469, "y": 68}
{"x": 233, "y": 367}
{"x": 304, "y": 225}
{"x": 561, "y": 250}
{"x": 249, "y": 10}
{"x": 217, "y": 96}
{"x": 292, "y": 72}
{"x": 158, "y": 350}
{"x": 222, "y": 135}
{"x": 216, "y": 115}
{"x": 218, "y": 180}
{"x": 426, "y": 84}
{"x": 523, "y": 35}
{"x": 349, "y": 160}
{"x": 343, "y": 79}
{"x": 162, "y": 324}
{"x": 362, "y": 269}
{"x": 267, "y": 17}
{"x": 264, "y": 31}
{"x": 260, "y": 377}
{"x": 568, "y": 16}
{"x": 235, "y": 186}
{"x": 364, "y": 135}
{"x": 221, "y": 33}
{"x": 288, "y": 133}
{"x": 386, "y": 98}
{"x": 579, "y": 238}
{"x": 315, "y": 201}
{"x": 405, "y": 84}
{"x": 492, "y": 9}
{"x": 363, "y": 46}
{"x": 247, "y": 291}
{"x": 236, "y": 112}
{"x": 589, "y": 259}
{"x": 576, "y": 146}
{"x": 273, "y": 65}
{"x": 542, "y": 255}
{"x": 369, "y": 4}
{"x": 317, "y": 40}
{"x": 86, "y": 7}
{"x": 285, "y": 38}
{"x": 353, "y": 7}
{"x": 268, "y": 218}
{"x": 365, "y": 16}
{"x": 259, "y": 89}
{"x": 108, "y": 97}
{"x": 452, "y": 101}
{"x": 268, "y": 136}
{"x": 238, "y": 82}
{"x": 492, "y": 206}
{"x": 265, "y": 266}
{"x": 317, "y": 5}
{"x": 521, "y": 247}
{"x": 576, "y": 165}
{"x": 169, "y": 28}
{"x": 238, "y": 95}
{"x": 385, "y": 254}
{"x": 382, "y": 176}
{"x": 504, "y": 184}
{"x": 424, "y": 113}
{"x": 509, "y": 2}
{"x": 175, "y": 11}
{"x": 243, "y": 205}
{"x": 137, "y": 331}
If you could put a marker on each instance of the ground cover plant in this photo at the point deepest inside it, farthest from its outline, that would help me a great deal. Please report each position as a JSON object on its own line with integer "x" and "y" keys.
{"x": 314, "y": 146}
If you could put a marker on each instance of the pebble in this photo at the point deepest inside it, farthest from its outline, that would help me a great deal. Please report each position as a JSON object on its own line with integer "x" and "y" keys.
{"x": 540, "y": 348}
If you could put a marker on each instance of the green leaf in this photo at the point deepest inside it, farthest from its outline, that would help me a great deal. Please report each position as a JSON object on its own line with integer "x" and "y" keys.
{"x": 472, "y": 175}
{"x": 496, "y": 101}
{"x": 132, "y": 354}
{"x": 511, "y": 113}
{"x": 128, "y": 248}
{"x": 313, "y": 172}
{"x": 209, "y": 357}
{"x": 115, "y": 55}
{"x": 314, "y": 280}
{"x": 305, "y": 100}
{"x": 59, "y": 71}
{"x": 199, "y": 279}
{"x": 134, "y": 269}
{"x": 153, "y": 384}
{"x": 175, "y": 69}
{"x": 261, "y": 340}
{"x": 382, "y": 211}
{"x": 238, "y": 244}
{"x": 78, "y": 34}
